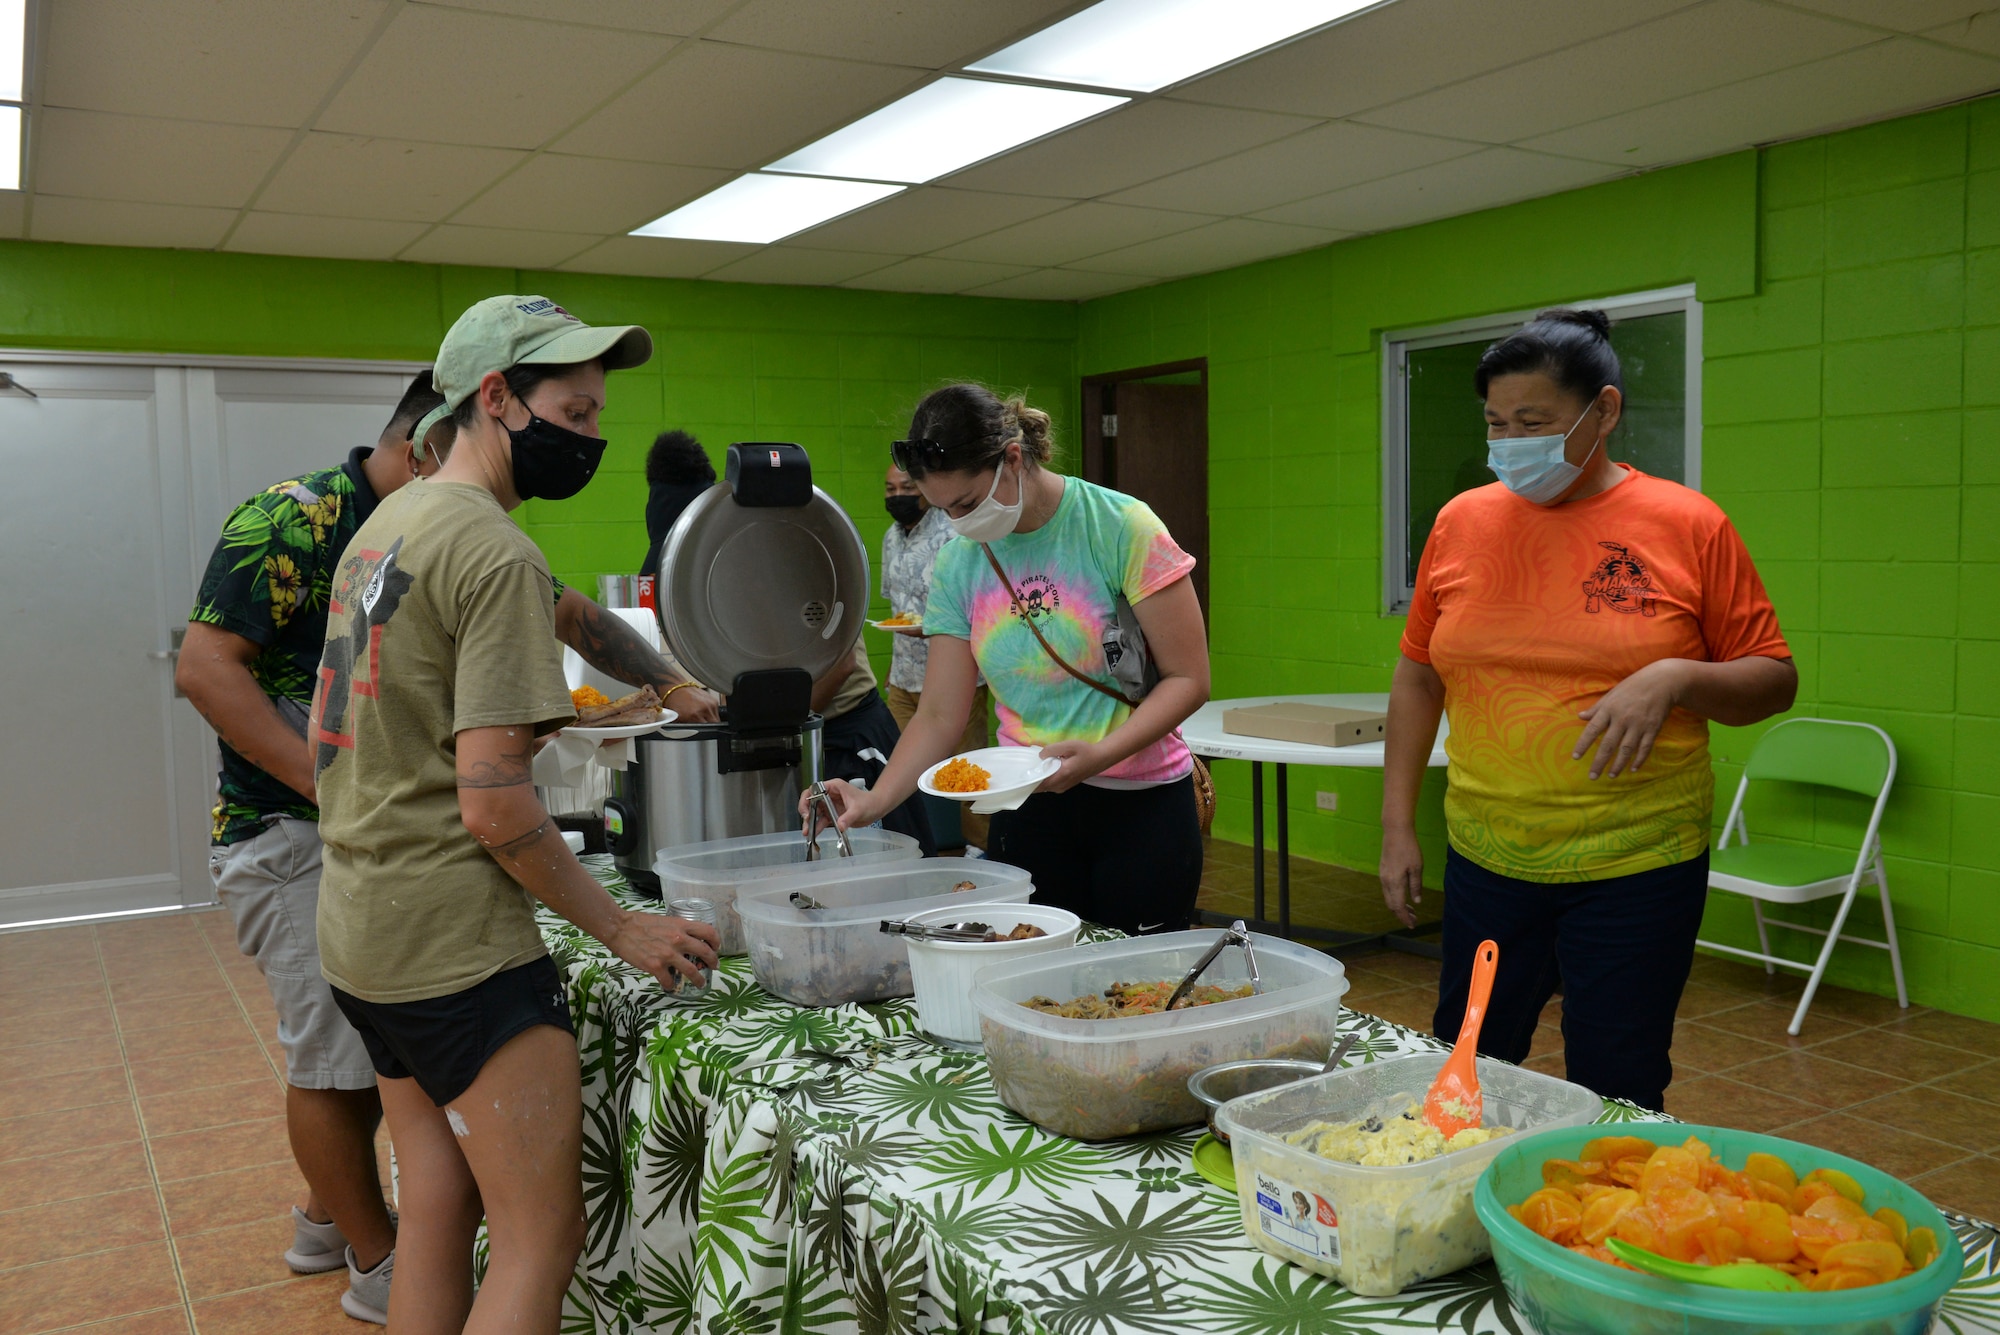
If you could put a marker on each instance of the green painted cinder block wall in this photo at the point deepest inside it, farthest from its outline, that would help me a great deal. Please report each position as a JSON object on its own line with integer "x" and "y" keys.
{"x": 1851, "y": 414}
{"x": 836, "y": 371}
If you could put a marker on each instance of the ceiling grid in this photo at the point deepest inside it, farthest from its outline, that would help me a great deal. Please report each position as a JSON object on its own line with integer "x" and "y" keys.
{"x": 540, "y": 133}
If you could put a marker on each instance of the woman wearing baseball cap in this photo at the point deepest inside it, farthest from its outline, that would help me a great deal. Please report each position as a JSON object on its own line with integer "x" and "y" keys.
{"x": 441, "y": 669}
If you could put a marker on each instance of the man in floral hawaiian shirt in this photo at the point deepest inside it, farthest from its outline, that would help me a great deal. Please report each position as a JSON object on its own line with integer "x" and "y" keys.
{"x": 248, "y": 665}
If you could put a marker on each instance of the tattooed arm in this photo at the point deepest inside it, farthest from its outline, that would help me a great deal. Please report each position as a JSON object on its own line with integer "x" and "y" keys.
{"x": 497, "y": 803}
{"x": 615, "y": 649}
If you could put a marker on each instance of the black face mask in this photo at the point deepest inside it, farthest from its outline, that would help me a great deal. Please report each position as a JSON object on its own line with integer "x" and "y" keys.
{"x": 905, "y": 510}
{"x": 552, "y": 463}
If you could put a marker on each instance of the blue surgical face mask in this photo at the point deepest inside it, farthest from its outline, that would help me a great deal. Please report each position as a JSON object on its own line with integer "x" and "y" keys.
{"x": 1533, "y": 467}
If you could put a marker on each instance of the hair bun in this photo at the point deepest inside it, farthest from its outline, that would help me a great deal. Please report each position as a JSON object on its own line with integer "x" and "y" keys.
{"x": 1582, "y": 317}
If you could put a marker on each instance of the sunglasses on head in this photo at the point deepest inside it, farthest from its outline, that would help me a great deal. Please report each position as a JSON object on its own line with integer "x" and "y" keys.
{"x": 917, "y": 456}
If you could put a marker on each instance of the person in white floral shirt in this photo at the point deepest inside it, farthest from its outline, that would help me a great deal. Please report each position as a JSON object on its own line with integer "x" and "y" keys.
{"x": 909, "y": 551}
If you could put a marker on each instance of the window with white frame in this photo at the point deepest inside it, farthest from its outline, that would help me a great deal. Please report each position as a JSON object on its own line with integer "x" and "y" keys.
{"x": 1434, "y": 436}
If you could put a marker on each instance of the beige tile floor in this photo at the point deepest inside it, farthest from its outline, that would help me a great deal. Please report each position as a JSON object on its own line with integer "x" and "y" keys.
{"x": 145, "y": 1179}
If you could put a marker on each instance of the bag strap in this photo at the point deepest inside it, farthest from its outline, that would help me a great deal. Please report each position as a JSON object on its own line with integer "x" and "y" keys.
{"x": 1021, "y": 611}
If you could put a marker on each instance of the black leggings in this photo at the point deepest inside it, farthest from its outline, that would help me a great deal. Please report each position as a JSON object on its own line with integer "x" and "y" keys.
{"x": 1621, "y": 949}
{"x": 1128, "y": 858}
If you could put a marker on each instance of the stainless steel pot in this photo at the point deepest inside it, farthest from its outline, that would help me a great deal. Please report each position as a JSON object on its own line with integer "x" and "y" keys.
{"x": 675, "y": 793}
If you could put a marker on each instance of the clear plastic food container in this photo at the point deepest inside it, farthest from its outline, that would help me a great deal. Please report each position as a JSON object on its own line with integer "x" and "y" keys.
{"x": 1101, "y": 1079}
{"x": 837, "y": 954}
{"x": 1379, "y": 1230}
{"x": 718, "y": 869}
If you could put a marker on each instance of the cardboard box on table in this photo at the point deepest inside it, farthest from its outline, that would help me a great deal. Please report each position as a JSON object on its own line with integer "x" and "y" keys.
{"x": 1314, "y": 725}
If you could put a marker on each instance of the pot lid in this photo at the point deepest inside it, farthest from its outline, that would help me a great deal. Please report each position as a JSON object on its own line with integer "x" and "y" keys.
{"x": 751, "y": 588}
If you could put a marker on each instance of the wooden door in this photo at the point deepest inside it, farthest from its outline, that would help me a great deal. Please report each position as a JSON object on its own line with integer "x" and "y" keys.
{"x": 1160, "y": 455}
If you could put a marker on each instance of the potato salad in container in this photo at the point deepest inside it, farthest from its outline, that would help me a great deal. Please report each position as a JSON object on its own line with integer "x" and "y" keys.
{"x": 1342, "y": 1175}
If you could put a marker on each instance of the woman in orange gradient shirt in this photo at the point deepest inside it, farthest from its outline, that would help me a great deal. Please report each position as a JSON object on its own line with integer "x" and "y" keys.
{"x": 1581, "y": 622}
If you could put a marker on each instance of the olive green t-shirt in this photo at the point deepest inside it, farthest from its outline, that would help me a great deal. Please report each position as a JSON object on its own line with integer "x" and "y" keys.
{"x": 441, "y": 619}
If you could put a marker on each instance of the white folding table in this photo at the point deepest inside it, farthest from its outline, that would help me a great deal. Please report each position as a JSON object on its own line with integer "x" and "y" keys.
{"x": 1205, "y": 737}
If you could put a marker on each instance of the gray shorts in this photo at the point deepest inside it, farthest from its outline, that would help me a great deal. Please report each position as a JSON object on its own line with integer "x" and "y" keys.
{"x": 270, "y": 884}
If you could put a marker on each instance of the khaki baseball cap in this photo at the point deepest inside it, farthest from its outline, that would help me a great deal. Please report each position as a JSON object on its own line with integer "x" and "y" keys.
{"x": 500, "y": 332}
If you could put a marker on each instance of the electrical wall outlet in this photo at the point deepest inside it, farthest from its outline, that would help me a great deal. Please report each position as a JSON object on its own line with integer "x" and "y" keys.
{"x": 1327, "y": 801}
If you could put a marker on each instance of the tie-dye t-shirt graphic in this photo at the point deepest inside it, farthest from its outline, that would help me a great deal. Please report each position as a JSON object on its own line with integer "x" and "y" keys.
{"x": 1069, "y": 572}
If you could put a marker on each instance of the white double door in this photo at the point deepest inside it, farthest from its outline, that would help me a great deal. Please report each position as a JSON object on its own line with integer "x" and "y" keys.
{"x": 114, "y": 482}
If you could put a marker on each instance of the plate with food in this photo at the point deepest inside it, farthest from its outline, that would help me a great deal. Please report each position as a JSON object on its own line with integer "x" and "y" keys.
{"x": 996, "y": 778}
{"x": 900, "y": 624}
{"x": 603, "y": 719}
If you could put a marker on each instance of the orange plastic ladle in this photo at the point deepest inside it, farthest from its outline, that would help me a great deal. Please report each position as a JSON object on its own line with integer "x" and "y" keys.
{"x": 1453, "y": 1104}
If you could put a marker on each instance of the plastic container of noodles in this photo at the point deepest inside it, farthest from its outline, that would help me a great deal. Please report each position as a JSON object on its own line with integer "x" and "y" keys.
{"x": 1101, "y": 1079}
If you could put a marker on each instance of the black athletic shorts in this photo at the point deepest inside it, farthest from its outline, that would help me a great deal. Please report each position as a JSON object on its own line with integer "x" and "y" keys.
{"x": 443, "y": 1042}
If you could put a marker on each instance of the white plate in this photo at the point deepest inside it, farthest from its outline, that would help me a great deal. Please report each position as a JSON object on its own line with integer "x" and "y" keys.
{"x": 622, "y": 731}
{"x": 900, "y": 628}
{"x": 1016, "y": 771}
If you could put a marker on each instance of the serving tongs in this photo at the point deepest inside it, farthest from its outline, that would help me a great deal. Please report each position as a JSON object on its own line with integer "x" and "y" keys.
{"x": 816, "y": 798}
{"x": 950, "y": 931}
{"x": 1236, "y": 935}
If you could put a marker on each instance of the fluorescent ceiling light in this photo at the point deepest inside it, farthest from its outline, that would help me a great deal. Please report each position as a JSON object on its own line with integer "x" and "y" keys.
{"x": 761, "y": 209}
{"x": 13, "y": 50}
{"x": 1147, "y": 44}
{"x": 10, "y": 148}
{"x": 950, "y": 124}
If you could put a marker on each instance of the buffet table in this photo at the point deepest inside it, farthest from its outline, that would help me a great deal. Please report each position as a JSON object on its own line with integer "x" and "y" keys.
{"x": 754, "y": 1166}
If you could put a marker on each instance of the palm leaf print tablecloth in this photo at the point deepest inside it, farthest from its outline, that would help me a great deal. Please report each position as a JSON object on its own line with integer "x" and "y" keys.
{"x": 757, "y": 1168}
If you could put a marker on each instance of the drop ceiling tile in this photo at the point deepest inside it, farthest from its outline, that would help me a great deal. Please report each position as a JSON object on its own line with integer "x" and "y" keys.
{"x": 357, "y": 176}
{"x": 1715, "y": 44}
{"x": 317, "y": 234}
{"x": 922, "y": 220}
{"x": 588, "y": 194}
{"x": 796, "y": 264}
{"x": 1396, "y": 50}
{"x": 1059, "y": 285}
{"x": 1074, "y": 233}
{"x": 1901, "y": 15}
{"x": 932, "y": 35}
{"x": 1463, "y": 185}
{"x": 1131, "y": 145}
{"x": 1980, "y": 33}
{"x": 103, "y": 222}
{"x": 1220, "y": 245}
{"x": 1306, "y": 164}
{"x": 242, "y": 61}
{"x": 466, "y": 78}
{"x": 501, "y": 247}
{"x": 89, "y": 154}
{"x": 1887, "y": 78}
{"x": 678, "y": 18}
{"x": 715, "y": 105}
{"x": 657, "y": 256}
{"x": 926, "y": 274}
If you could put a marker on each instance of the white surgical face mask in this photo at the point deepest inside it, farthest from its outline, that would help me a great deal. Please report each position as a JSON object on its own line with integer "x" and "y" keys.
{"x": 990, "y": 520}
{"x": 1533, "y": 467}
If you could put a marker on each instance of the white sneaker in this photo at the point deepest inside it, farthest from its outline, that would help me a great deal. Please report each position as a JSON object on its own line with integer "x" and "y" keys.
{"x": 316, "y": 1248}
{"x": 367, "y": 1296}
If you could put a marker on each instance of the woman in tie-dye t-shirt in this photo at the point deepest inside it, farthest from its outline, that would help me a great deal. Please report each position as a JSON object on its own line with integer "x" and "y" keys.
{"x": 1113, "y": 835}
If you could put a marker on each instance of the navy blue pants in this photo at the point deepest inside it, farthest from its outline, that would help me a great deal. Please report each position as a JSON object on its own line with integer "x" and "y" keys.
{"x": 1619, "y": 948}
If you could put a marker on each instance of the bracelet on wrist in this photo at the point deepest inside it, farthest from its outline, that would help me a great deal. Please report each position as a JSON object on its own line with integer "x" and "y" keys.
{"x": 680, "y": 686}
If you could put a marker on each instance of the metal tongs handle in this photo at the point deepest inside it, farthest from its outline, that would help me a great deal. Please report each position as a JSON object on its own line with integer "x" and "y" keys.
{"x": 1237, "y": 935}
{"x": 926, "y": 932}
{"x": 816, "y": 798}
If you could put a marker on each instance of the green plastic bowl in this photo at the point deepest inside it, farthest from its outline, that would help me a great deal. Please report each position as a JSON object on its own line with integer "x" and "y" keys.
{"x": 1563, "y": 1293}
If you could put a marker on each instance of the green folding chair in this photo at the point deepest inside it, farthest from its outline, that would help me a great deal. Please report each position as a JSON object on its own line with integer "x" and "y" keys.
{"x": 1832, "y": 753}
